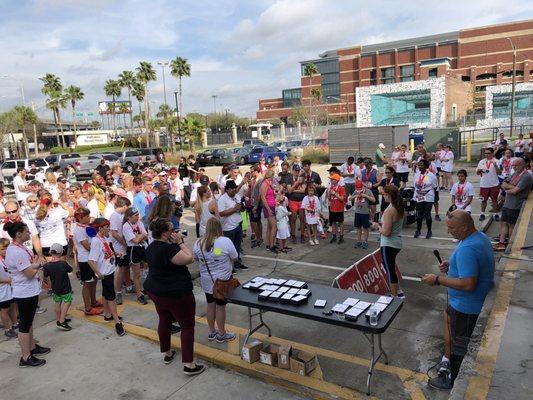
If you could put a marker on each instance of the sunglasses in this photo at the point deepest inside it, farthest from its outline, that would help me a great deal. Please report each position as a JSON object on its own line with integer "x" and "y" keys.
{"x": 12, "y": 212}
{"x": 32, "y": 201}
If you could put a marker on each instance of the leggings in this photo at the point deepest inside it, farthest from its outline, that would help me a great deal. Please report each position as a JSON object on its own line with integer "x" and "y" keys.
{"x": 388, "y": 254}
{"x": 461, "y": 329}
{"x": 181, "y": 309}
{"x": 27, "y": 307}
{"x": 423, "y": 211}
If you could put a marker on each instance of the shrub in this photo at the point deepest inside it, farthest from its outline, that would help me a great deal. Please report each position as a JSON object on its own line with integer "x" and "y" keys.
{"x": 81, "y": 149}
{"x": 317, "y": 155}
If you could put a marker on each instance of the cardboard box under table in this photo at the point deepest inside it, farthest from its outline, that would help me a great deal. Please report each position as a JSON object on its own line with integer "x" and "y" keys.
{"x": 249, "y": 299}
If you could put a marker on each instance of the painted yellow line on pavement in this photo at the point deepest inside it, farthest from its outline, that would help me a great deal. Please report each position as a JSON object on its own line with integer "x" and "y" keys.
{"x": 479, "y": 384}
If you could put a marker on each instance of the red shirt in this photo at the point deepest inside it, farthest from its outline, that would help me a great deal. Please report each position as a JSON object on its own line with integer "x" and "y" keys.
{"x": 336, "y": 205}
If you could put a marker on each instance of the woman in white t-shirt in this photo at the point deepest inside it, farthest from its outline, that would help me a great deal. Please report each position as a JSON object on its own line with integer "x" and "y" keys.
{"x": 446, "y": 161}
{"x": 50, "y": 221}
{"x": 51, "y": 185}
{"x": 216, "y": 254}
{"x": 24, "y": 268}
{"x": 8, "y": 310}
{"x": 202, "y": 211}
{"x": 519, "y": 146}
{"x": 92, "y": 202}
{"x": 462, "y": 192}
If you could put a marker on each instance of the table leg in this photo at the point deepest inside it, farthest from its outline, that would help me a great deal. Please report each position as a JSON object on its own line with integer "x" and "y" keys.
{"x": 371, "y": 366}
{"x": 374, "y": 357}
{"x": 251, "y": 328}
{"x": 382, "y": 351}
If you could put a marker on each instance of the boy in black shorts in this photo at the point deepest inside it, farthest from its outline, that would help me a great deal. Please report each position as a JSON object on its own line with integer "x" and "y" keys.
{"x": 57, "y": 270}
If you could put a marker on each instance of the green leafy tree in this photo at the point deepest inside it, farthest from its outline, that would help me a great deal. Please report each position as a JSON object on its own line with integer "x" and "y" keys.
{"x": 74, "y": 94}
{"x": 113, "y": 89}
{"x": 124, "y": 109}
{"x": 164, "y": 111}
{"x": 145, "y": 74}
{"x": 192, "y": 130}
{"x": 9, "y": 123}
{"x": 180, "y": 67}
{"x": 53, "y": 88}
{"x": 25, "y": 115}
{"x": 138, "y": 93}
{"x": 127, "y": 81}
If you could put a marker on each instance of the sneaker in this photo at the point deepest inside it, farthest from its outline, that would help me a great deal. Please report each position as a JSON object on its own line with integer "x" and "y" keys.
{"x": 119, "y": 329}
{"x": 141, "y": 299}
{"x": 496, "y": 217}
{"x": 440, "y": 382}
{"x": 401, "y": 294}
{"x": 357, "y": 245}
{"x": 482, "y": 217}
{"x": 40, "y": 310}
{"x": 241, "y": 266}
{"x": 341, "y": 240}
{"x": 429, "y": 235}
{"x": 119, "y": 300}
{"x": 63, "y": 326}
{"x": 31, "y": 362}
{"x": 175, "y": 329}
{"x": 194, "y": 371}
{"x": 417, "y": 234}
{"x": 228, "y": 337}
{"x": 212, "y": 336}
{"x": 110, "y": 318}
{"x": 94, "y": 311}
{"x": 11, "y": 333}
{"x": 311, "y": 242}
{"x": 437, "y": 218}
{"x": 168, "y": 359}
{"x": 40, "y": 350}
{"x": 98, "y": 304}
{"x": 333, "y": 239}
{"x": 317, "y": 242}
{"x": 444, "y": 368}
{"x": 499, "y": 247}
{"x": 364, "y": 245}
{"x": 68, "y": 320}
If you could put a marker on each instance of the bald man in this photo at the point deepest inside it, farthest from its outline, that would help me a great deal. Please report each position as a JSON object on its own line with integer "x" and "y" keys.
{"x": 517, "y": 188}
{"x": 469, "y": 277}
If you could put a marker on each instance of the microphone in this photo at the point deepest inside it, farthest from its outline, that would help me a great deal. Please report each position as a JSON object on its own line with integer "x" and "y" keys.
{"x": 437, "y": 254}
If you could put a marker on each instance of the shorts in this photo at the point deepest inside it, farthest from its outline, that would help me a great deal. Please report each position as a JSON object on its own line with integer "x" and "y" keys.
{"x": 86, "y": 272}
{"x": 271, "y": 214}
{"x": 336, "y": 216}
{"x": 210, "y": 299}
{"x": 62, "y": 298}
{"x": 46, "y": 251}
{"x": 27, "y": 307}
{"x": 402, "y": 176}
{"x": 122, "y": 261}
{"x": 362, "y": 221}
{"x": 136, "y": 254}
{"x": 295, "y": 206}
{"x": 437, "y": 198}
{"x": 256, "y": 216}
{"x": 108, "y": 287}
{"x": 510, "y": 216}
{"x": 6, "y": 304}
{"x": 491, "y": 192}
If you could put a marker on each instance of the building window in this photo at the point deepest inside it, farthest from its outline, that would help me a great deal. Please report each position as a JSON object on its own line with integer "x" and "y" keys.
{"x": 373, "y": 77}
{"x": 407, "y": 73}
{"x": 485, "y": 77}
{"x": 387, "y": 75}
{"x": 432, "y": 73}
{"x": 291, "y": 97}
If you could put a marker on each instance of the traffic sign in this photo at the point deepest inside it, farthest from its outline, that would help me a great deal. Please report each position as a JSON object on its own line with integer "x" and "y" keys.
{"x": 79, "y": 114}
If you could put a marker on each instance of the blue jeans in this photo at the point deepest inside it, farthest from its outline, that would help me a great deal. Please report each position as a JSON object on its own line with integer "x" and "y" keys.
{"x": 235, "y": 235}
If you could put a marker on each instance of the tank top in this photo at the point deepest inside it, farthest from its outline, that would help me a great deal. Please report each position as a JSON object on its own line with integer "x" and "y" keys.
{"x": 394, "y": 239}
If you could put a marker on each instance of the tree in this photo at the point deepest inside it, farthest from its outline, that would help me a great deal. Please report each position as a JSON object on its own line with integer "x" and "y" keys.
{"x": 138, "y": 93}
{"x": 310, "y": 70}
{"x": 95, "y": 124}
{"x": 112, "y": 88}
{"x": 127, "y": 81}
{"x": 74, "y": 94}
{"x": 124, "y": 109}
{"x": 52, "y": 87}
{"x": 8, "y": 125}
{"x": 179, "y": 67}
{"x": 145, "y": 74}
{"x": 25, "y": 115}
{"x": 164, "y": 111}
{"x": 192, "y": 129}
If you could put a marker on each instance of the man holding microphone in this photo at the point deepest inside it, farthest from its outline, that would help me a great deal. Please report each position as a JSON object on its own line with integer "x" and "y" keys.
{"x": 469, "y": 277}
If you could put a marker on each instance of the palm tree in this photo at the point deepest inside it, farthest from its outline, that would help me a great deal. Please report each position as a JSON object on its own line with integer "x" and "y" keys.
{"x": 138, "y": 93}
{"x": 127, "y": 81}
{"x": 25, "y": 115}
{"x": 164, "y": 111}
{"x": 112, "y": 88}
{"x": 124, "y": 108}
{"x": 74, "y": 94}
{"x": 52, "y": 87}
{"x": 310, "y": 70}
{"x": 180, "y": 67}
{"x": 145, "y": 74}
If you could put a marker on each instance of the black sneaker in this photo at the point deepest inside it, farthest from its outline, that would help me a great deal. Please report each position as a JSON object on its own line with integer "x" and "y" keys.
{"x": 440, "y": 382}
{"x": 341, "y": 240}
{"x": 333, "y": 239}
{"x": 437, "y": 218}
{"x": 429, "y": 235}
{"x": 194, "y": 371}
{"x": 110, "y": 318}
{"x": 175, "y": 329}
{"x": 482, "y": 217}
{"x": 68, "y": 320}
{"x": 40, "y": 350}
{"x": 63, "y": 326}
{"x": 141, "y": 299}
{"x": 31, "y": 362}
{"x": 241, "y": 266}
{"x": 169, "y": 359}
{"x": 119, "y": 329}
{"x": 417, "y": 234}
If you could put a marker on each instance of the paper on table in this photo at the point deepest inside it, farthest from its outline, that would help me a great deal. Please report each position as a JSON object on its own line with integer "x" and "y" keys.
{"x": 340, "y": 308}
{"x": 287, "y": 296}
{"x": 320, "y": 303}
{"x": 350, "y": 301}
{"x": 304, "y": 292}
{"x": 353, "y": 312}
{"x": 363, "y": 305}
{"x": 292, "y": 291}
{"x": 385, "y": 299}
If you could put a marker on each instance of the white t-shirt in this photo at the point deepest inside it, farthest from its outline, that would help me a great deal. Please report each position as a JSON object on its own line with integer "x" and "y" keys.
{"x": 350, "y": 169}
{"x": 462, "y": 193}
{"x": 225, "y": 203}
{"x": 115, "y": 224}
{"x": 106, "y": 266}
{"x": 92, "y": 206}
{"x": 447, "y": 166}
{"x": 438, "y": 156}
{"x": 52, "y": 227}
{"x": 490, "y": 177}
{"x": 131, "y": 231}
{"x": 311, "y": 205}
{"x": 2, "y": 206}
{"x": 108, "y": 210}
{"x": 194, "y": 192}
{"x": 519, "y": 144}
{"x": 506, "y": 167}
{"x": 220, "y": 261}
{"x": 79, "y": 234}
{"x": 17, "y": 260}
{"x": 402, "y": 162}
{"x": 18, "y": 181}
{"x": 31, "y": 227}
{"x": 6, "y": 292}
{"x": 425, "y": 187}
{"x": 176, "y": 186}
{"x": 40, "y": 177}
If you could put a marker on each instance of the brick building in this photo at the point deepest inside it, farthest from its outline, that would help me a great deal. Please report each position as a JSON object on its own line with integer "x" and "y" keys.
{"x": 479, "y": 57}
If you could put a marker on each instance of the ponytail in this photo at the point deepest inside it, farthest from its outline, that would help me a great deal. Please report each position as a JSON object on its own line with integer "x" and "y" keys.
{"x": 42, "y": 211}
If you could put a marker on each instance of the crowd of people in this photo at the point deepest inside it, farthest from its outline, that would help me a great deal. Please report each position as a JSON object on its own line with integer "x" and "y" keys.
{"x": 124, "y": 228}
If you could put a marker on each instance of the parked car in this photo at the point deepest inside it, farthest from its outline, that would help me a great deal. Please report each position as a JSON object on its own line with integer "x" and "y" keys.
{"x": 156, "y": 155}
{"x": 319, "y": 142}
{"x": 223, "y": 156}
{"x": 109, "y": 158}
{"x": 268, "y": 152}
{"x": 205, "y": 158}
{"x": 84, "y": 165}
{"x": 253, "y": 142}
{"x": 280, "y": 144}
{"x": 8, "y": 169}
{"x": 129, "y": 159}
{"x": 241, "y": 156}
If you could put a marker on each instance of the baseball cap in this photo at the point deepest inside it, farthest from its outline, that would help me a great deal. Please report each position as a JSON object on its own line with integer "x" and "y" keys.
{"x": 333, "y": 169}
{"x": 57, "y": 249}
{"x": 359, "y": 184}
{"x": 381, "y": 146}
{"x": 230, "y": 184}
{"x": 335, "y": 177}
{"x": 120, "y": 192}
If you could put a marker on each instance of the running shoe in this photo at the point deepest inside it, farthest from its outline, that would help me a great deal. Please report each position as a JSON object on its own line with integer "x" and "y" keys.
{"x": 357, "y": 245}
{"x": 496, "y": 217}
{"x": 40, "y": 350}
{"x": 437, "y": 218}
{"x": 11, "y": 333}
{"x": 98, "y": 304}
{"x": 40, "y": 310}
{"x": 499, "y": 247}
{"x": 110, "y": 318}
{"x": 444, "y": 368}
{"x": 228, "y": 337}
{"x": 241, "y": 266}
{"x": 311, "y": 242}
{"x": 194, "y": 371}
{"x": 175, "y": 329}
{"x": 168, "y": 359}
{"x": 94, "y": 311}
{"x": 364, "y": 245}
{"x": 119, "y": 329}
{"x": 317, "y": 242}
{"x": 141, "y": 299}
{"x": 482, "y": 217}
{"x": 417, "y": 234}
{"x": 212, "y": 336}
{"x": 119, "y": 300}
{"x": 63, "y": 326}
{"x": 31, "y": 362}
{"x": 429, "y": 235}
{"x": 401, "y": 294}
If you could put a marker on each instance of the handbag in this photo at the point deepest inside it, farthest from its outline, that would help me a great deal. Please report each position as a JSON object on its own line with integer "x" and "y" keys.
{"x": 221, "y": 287}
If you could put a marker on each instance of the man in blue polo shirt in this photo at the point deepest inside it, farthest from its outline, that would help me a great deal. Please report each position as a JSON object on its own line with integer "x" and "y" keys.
{"x": 470, "y": 276}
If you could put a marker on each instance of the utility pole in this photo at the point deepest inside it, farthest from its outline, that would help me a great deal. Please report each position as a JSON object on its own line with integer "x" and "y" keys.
{"x": 513, "y": 88}
{"x": 179, "y": 127}
{"x": 215, "y": 111}
{"x": 163, "y": 64}
{"x": 35, "y": 147}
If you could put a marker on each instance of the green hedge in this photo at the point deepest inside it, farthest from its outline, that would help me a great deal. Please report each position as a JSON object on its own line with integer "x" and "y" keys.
{"x": 85, "y": 149}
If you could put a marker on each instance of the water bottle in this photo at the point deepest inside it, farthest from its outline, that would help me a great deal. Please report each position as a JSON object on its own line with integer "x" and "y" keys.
{"x": 374, "y": 317}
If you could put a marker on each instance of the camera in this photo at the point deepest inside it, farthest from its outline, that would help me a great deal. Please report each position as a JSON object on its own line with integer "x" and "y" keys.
{"x": 178, "y": 209}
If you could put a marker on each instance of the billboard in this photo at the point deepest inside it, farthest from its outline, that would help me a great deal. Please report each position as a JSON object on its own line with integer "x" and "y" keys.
{"x": 107, "y": 107}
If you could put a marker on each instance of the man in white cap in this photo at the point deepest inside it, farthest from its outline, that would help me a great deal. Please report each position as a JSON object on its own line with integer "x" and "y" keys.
{"x": 381, "y": 160}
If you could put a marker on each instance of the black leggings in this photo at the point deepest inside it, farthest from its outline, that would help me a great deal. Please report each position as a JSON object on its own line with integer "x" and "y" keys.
{"x": 423, "y": 211}
{"x": 461, "y": 329}
{"x": 388, "y": 255}
{"x": 27, "y": 307}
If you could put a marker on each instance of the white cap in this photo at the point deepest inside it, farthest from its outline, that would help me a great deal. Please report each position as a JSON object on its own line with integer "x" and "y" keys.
{"x": 381, "y": 146}
{"x": 57, "y": 249}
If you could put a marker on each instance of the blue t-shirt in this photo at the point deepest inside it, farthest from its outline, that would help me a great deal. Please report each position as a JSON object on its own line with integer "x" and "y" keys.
{"x": 473, "y": 256}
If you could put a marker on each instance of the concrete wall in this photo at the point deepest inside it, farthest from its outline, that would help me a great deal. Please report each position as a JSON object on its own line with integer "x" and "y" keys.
{"x": 459, "y": 93}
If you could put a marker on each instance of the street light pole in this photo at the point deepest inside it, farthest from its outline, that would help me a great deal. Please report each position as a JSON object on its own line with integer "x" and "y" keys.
{"x": 513, "y": 88}
{"x": 215, "y": 108}
{"x": 178, "y": 116}
{"x": 163, "y": 64}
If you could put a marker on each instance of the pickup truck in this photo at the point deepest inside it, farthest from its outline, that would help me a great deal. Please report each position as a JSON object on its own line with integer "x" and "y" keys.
{"x": 9, "y": 168}
{"x": 84, "y": 166}
{"x": 129, "y": 159}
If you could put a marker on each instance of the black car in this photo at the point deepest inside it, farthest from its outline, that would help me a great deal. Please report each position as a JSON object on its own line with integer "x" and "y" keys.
{"x": 205, "y": 158}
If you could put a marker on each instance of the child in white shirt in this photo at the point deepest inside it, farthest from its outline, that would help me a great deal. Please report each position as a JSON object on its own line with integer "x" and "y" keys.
{"x": 282, "y": 223}
{"x": 311, "y": 207}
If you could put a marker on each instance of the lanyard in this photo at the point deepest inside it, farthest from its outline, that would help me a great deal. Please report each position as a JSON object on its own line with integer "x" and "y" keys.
{"x": 420, "y": 181}
{"x": 108, "y": 253}
{"x": 135, "y": 228}
{"x": 460, "y": 189}
{"x": 30, "y": 254}
{"x": 516, "y": 178}
{"x": 488, "y": 164}
{"x": 349, "y": 168}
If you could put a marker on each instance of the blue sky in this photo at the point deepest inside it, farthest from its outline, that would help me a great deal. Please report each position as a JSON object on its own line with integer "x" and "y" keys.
{"x": 240, "y": 51}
